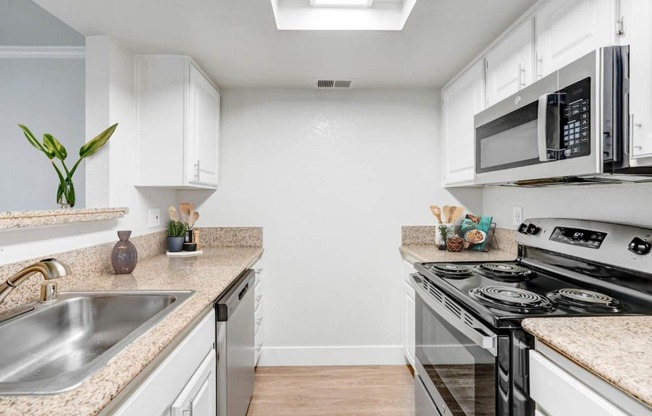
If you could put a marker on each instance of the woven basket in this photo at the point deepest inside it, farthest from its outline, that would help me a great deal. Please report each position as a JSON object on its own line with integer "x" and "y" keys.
{"x": 455, "y": 244}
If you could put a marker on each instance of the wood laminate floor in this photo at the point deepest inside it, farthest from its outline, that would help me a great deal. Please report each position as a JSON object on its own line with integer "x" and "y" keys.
{"x": 333, "y": 391}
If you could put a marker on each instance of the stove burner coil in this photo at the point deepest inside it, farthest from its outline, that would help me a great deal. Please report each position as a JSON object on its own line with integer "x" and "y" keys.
{"x": 451, "y": 270}
{"x": 585, "y": 300}
{"x": 505, "y": 272}
{"x": 511, "y": 299}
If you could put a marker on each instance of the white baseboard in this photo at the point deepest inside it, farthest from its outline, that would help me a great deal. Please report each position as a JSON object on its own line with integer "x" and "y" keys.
{"x": 323, "y": 356}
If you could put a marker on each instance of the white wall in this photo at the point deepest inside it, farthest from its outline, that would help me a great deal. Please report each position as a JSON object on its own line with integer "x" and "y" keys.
{"x": 331, "y": 176}
{"x": 626, "y": 203}
{"x": 115, "y": 82}
{"x": 47, "y": 95}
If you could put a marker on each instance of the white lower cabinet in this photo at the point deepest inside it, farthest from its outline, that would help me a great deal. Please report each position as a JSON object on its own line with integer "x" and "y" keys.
{"x": 562, "y": 388}
{"x": 183, "y": 383}
{"x": 198, "y": 398}
{"x": 409, "y": 321}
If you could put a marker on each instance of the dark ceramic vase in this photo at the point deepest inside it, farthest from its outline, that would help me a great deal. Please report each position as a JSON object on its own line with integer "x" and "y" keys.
{"x": 124, "y": 256}
{"x": 175, "y": 244}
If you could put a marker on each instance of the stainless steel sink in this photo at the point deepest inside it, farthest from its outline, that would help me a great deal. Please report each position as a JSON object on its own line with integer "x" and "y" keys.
{"x": 57, "y": 345}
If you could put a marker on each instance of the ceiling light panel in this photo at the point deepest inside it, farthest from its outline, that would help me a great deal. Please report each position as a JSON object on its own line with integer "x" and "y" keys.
{"x": 341, "y": 3}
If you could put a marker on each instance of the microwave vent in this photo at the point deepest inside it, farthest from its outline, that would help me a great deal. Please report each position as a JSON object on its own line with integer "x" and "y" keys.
{"x": 333, "y": 83}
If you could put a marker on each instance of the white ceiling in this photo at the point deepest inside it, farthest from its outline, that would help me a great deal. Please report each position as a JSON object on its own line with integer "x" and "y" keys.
{"x": 236, "y": 41}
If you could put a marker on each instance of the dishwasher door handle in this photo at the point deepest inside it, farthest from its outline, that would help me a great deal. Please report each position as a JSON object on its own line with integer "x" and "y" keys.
{"x": 243, "y": 291}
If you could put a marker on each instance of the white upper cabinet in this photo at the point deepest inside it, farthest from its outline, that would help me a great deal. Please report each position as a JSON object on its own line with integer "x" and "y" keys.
{"x": 638, "y": 34}
{"x": 567, "y": 30}
{"x": 178, "y": 123}
{"x": 461, "y": 101}
{"x": 510, "y": 65}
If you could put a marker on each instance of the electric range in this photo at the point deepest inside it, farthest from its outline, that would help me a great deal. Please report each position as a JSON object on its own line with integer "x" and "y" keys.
{"x": 471, "y": 353}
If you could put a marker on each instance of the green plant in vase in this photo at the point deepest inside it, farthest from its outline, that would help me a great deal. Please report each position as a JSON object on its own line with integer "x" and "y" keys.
{"x": 444, "y": 231}
{"x": 176, "y": 235}
{"x": 54, "y": 150}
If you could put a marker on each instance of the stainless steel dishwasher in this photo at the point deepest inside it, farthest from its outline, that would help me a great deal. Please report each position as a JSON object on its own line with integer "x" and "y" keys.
{"x": 234, "y": 341}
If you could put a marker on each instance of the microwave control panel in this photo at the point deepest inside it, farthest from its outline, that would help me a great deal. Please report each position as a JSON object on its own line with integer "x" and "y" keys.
{"x": 576, "y": 121}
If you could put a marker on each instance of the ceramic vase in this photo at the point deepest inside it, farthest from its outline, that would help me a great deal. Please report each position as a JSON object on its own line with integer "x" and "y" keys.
{"x": 124, "y": 256}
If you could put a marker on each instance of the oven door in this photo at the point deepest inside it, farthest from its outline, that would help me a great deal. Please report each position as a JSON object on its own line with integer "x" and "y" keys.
{"x": 456, "y": 356}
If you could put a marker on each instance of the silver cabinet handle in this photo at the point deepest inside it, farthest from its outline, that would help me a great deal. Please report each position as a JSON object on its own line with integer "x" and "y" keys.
{"x": 521, "y": 76}
{"x": 539, "y": 67}
{"x": 197, "y": 170}
{"x": 632, "y": 136}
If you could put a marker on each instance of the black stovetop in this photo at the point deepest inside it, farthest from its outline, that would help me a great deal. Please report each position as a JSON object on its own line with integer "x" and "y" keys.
{"x": 539, "y": 282}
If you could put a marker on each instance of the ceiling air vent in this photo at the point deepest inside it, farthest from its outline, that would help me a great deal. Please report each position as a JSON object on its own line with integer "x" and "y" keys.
{"x": 332, "y": 83}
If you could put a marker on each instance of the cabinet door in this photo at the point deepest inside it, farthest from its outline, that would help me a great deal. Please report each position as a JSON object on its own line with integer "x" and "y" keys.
{"x": 410, "y": 322}
{"x": 461, "y": 101}
{"x": 198, "y": 397}
{"x": 510, "y": 65}
{"x": 202, "y": 164}
{"x": 638, "y": 34}
{"x": 567, "y": 30}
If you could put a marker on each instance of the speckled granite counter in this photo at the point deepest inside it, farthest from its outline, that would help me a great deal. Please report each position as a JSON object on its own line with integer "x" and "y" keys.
{"x": 617, "y": 349}
{"x": 208, "y": 275}
{"x": 417, "y": 245}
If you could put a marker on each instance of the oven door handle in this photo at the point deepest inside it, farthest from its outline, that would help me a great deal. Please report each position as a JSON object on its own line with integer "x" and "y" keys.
{"x": 478, "y": 333}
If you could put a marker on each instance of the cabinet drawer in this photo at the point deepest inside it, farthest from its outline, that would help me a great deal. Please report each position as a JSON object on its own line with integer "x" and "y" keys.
{"x": 558, "y": 393}
{"x": 259, "y": 311}
{"x": 156, "y": 393}
{"x": 258, "y": 300}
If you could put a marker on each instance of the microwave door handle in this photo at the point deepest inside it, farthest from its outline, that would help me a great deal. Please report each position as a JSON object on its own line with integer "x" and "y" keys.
{"x": 542, "y": 128}
{"x": 479, "y": 336}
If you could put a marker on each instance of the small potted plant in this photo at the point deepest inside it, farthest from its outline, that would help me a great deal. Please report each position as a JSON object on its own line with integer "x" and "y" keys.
{"x": 176, "y": 235}
{"x": 443, "y": 231}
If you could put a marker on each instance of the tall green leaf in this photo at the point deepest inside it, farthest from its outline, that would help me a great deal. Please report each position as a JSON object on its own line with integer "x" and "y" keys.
{"x": 96, "y": 144}
{"x": 34, "y": 142}
{"x": 53, "y": 144}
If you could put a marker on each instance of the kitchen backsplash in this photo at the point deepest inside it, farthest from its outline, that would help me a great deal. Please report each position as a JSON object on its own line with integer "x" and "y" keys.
{"x": 94, "y": 260}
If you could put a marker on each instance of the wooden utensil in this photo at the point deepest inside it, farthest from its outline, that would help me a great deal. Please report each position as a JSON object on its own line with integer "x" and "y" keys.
{"x": 194, "y": 216}
{"x": 445, "y": 210}
{"x": 457, "y": 213}
{"x": 436, "y": 211}
{"x": 174, "y": 215}
{"x": 185, "y": 209}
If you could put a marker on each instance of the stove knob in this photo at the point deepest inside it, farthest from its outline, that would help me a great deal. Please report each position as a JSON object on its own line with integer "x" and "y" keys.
{"x": 640, "y": 246}
{"x": 533, "y": 229}
{"x": 522, "y": 228}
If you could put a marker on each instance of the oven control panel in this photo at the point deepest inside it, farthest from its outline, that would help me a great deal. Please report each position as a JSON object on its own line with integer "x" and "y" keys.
{"x": 576, "y": 121}
{"x": 578, "y": 237}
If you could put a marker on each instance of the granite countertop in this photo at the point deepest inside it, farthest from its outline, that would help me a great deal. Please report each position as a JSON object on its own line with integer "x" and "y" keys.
{"x": 428, "y": 253}
{"x": 207, "y": 275}
{"x": 418, "y": 245}
{"x": 616, "y": 349}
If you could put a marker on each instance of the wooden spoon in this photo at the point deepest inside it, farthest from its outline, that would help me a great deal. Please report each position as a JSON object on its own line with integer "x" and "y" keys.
{"x": 445, "y": 211}
{"x": 193, "y": 219}
{"x": 459, "y": 211}
{"x": 174, "y": 215}
{"x": 436, "y": 211}
{"x": 185, "y": 209}
{"x": 451, "y": 212}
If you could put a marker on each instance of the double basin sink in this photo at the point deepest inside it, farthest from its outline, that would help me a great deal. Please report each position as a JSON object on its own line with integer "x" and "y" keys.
{"x": 58, "y": 344}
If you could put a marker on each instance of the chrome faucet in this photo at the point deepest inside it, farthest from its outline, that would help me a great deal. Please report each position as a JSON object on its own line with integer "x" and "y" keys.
{"x": 49, "y": 268}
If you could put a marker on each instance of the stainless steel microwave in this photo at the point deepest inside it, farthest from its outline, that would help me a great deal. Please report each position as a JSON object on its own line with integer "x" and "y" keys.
{"x": 571, "y": 126}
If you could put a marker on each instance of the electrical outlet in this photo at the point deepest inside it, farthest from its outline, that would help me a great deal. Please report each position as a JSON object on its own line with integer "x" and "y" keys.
{"x": 154, "y": 218}
{"x": 517, "y": 215}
